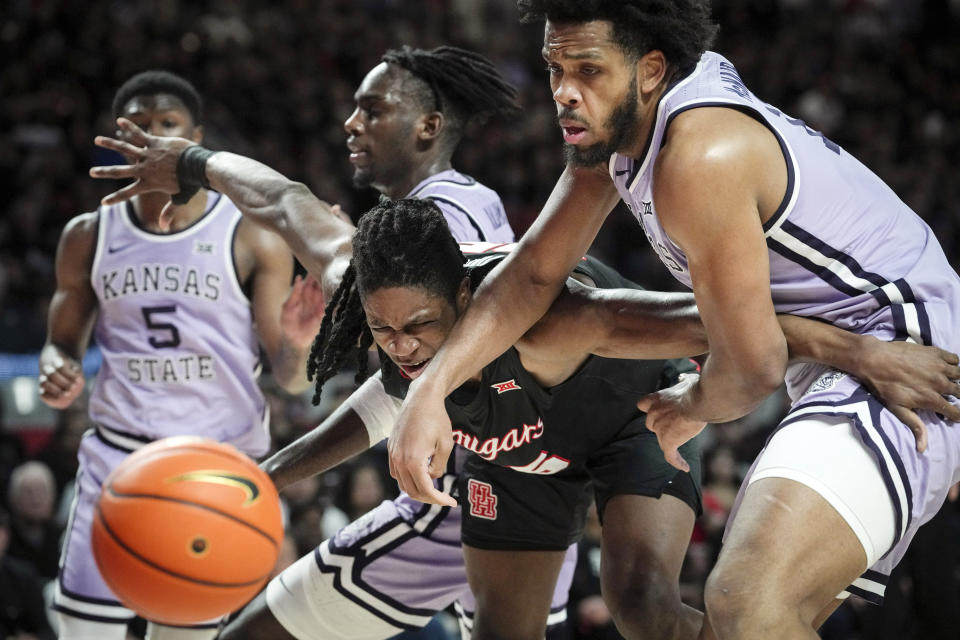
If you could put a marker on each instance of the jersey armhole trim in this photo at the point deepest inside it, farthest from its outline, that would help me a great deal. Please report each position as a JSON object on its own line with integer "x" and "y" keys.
{"x": 98, "y": 248}
{"x": 230, "y": 259}
{"x": 790, "y": 195}
{"x": 453, "y": 203}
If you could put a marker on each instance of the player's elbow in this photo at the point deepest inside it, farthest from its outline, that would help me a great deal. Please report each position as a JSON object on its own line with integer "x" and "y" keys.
{"x": 287, "y": 197}
{"x": 763, "y": 372}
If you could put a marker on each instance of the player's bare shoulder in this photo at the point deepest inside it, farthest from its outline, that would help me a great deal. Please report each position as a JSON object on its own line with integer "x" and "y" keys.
{"x": 82, "y": 226}
{"x": 717, "y": 152}
{"x": 78, "y": 241}
{"x": 254, "y": 246}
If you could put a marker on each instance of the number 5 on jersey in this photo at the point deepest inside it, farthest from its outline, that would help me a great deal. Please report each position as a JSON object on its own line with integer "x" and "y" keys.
{"x": 167, "y": 336}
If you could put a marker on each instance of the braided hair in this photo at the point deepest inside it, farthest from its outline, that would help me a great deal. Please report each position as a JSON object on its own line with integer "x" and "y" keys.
{"x": 399, "y": 243}
{"x": 681, "y": 29}
{"x": 463, "y": 85}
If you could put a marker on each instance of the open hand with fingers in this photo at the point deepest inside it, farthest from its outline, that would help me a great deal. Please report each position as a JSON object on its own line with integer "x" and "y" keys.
{"x": 419, "y": 447}
{"x": 154, "y": 165}
{"x": 302, "y": 312}
{"x": 907, "y": 378}
{"x": 668, "y": 416}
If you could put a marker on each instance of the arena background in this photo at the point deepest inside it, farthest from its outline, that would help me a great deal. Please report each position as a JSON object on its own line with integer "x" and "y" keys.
{"x": 879, "y": 77}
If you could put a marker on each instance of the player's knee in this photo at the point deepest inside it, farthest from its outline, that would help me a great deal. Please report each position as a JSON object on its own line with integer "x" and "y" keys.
{"x": 739, "y": 608}
{"x": 646, "y": 604}
{"x": 497, "y": 626}
{"x": 724, "y": 609}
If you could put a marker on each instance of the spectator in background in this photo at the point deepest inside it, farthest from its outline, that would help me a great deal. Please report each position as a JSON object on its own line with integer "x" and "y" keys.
{"x": 720, "y": 486}
{"x": 34, "y": 537}
{"x": 22, "y": 614}
{"x": 363, "y": 488}
{"x": 282, "y": 95}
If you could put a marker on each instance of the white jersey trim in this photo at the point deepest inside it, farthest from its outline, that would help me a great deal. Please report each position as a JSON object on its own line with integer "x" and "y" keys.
{"x": 206, "y": 219}
{"x": 661, "y": 107}
{"x": 846, "y": 275}
{"x": 345, "y": 571}
{"x": 230, "y": 264}
{"x": 102, "y": 214}
{"x": 791, "y": 156}
{"x": 103, "y": 612}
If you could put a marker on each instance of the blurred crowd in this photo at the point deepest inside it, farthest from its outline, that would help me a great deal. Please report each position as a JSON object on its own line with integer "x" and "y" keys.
{"x": 879, "y": 77}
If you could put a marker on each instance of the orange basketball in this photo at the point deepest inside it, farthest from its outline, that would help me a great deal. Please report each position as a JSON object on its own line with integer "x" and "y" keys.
{"x": 187, "y": 530}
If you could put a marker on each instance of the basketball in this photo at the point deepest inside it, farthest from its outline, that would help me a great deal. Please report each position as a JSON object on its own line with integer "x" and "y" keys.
{"x": 186, "y": 530}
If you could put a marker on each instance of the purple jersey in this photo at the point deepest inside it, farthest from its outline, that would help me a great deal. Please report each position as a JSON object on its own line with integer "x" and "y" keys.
{"x": 474, "y": 212}
{"x": 180, "y": 355}
{"x": 842, "y": 246}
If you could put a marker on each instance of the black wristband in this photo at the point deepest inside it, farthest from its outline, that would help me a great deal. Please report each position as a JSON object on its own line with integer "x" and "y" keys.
{"x": 191, "y": 173}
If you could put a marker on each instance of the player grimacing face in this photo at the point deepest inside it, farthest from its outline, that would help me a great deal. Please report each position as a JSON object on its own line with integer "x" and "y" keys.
{"x": 380, "y": 131}
{"x": 595, "y": 87}
{"x": 162, "y": 115}
{"x": 409, "y": 323}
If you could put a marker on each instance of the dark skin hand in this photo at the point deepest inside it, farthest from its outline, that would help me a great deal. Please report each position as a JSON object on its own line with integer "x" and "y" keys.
{"x": 315, "y": 231}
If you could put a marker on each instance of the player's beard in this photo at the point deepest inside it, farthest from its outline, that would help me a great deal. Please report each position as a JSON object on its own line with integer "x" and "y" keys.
{"x": 624, "y": 127}
{"x": 362, "y": 178}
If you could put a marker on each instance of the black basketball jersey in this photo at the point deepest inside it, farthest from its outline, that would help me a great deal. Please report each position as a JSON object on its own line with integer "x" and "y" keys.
{"x": 510, "y": 420}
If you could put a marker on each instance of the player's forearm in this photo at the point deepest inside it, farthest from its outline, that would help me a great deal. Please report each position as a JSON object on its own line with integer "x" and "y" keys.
{"x": 522, "y": 287}
{"x": 319, "y": 239}
{"x": 731, "y": 386}
{"x": 815, "y": 341}
{"x": 70, "y": 322}
{"x": 338, "y": 438}
{"x": 646, "y": 324}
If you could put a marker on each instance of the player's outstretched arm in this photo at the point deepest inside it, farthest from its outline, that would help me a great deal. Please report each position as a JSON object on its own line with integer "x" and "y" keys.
{"x": 317, "y": 234}
{"x": 906, "y": 377}
{"x": 72, "y": 312}
{"x": 505, "y": 305}
{"x": 360, "y": 422}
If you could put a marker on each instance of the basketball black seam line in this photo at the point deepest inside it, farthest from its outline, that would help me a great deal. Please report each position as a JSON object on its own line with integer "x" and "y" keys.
{"x": 263, "y": 533}
{"x": 154, "y": 565}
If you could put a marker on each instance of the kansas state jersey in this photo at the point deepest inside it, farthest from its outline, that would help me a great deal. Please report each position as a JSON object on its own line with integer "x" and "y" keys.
{"x": 473, "y": 211}
{"x": 842, "y": 246}
{"x": 509, "y": 419}
{"x": 180, "y": 355}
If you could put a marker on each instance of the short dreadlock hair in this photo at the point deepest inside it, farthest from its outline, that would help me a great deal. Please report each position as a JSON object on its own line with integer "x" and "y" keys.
{"x": 462, "y": 85}
{"x": 681, "y": 29}
{"x": 151, "y": 83}
{"x": 398, "y": 243}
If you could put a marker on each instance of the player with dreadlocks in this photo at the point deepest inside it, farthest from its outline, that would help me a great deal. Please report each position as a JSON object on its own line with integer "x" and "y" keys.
{"x": 412, "y": 111}
{"x": 758, "y": 214}
{"x": 523, "y": 417}
{"x": 371, "y": 581}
